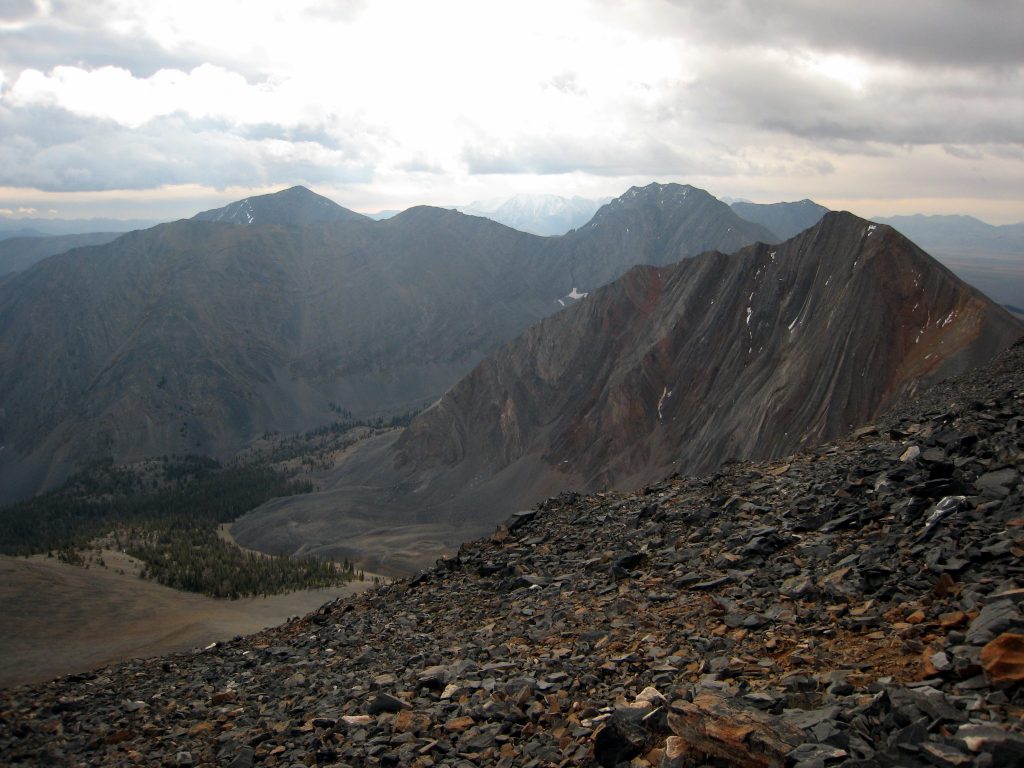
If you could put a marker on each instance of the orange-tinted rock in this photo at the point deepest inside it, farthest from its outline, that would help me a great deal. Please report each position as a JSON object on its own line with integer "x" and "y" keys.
{"x": 458, "y": 724}
{"x": 953, "y": 620}
{"x": 1003, "y": 658}
{"x": 916, "y": 617}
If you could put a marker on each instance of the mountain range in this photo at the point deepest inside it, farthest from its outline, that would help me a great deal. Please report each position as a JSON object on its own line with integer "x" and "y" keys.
{"x": 35, "y": 227}
{"x": 275, "y": 312}
{"x": 727, "y": 584}
{"x": 665, "y": 335}
{"x": 989, "y": 257}
{"x": 668, "y": 369}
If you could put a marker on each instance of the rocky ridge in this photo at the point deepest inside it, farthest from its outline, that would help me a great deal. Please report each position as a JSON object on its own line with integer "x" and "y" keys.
{"x": 858, "y": 604}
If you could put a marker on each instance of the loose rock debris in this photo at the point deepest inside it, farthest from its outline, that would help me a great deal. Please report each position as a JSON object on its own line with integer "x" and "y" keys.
{"x": 859, "y": 605}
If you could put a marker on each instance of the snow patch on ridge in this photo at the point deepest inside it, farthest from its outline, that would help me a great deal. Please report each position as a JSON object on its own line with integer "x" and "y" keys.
{"x": 665, "y": 394}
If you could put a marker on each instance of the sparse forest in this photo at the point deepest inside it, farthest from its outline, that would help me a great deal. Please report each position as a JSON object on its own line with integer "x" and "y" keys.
{"x": 165, "y": 512}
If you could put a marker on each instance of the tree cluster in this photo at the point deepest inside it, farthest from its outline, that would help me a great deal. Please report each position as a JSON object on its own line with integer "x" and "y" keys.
{"x": 166, "y": 514}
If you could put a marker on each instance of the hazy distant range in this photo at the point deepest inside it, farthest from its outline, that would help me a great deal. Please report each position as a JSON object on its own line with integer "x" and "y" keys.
{"x": 991, "y": 258}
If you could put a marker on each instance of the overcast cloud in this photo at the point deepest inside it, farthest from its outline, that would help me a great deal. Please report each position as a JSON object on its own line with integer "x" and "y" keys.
{"x": 877, "y": 107}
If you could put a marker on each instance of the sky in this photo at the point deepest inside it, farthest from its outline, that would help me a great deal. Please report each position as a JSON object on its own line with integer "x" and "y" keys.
{"x": 161, "y": 108}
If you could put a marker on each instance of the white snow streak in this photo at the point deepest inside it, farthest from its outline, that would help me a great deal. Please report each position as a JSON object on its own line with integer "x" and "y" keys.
{"x": 665, "y": 394}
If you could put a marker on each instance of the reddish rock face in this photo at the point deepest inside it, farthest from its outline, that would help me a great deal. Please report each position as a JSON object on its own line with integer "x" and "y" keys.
{"x": 680, "y": 368}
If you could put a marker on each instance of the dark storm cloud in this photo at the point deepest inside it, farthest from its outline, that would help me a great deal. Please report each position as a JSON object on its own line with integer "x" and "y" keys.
{"x": 933, "y": 32}
{"x": 930, "y": 108}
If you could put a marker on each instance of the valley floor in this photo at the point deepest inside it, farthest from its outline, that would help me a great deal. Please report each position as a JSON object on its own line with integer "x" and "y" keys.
{"x": 61, "y": 619}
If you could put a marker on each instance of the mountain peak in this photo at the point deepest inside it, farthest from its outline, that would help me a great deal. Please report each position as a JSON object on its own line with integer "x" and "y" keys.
{"x": 660, "y": 212}
{"x": 661, "y": 193}
{"x": 295, "y": 206}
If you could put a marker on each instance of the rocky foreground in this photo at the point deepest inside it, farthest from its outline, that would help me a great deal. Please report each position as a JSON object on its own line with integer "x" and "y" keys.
{"x": 858, "y": 605}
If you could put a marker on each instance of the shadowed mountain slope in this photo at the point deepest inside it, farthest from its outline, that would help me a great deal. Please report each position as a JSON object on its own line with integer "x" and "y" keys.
{"x": 20, "y": 253}
{"x": 658, "y": 224}
{"x": 199, "y": 336}
{"x": 671, "y": 369}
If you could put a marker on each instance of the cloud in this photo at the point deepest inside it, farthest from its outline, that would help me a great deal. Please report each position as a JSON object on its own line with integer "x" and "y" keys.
{"x": 613, "y": 156}
{"x": 964, "y": 153}
{"x": 927, "y": 32}
{"x": 93, "y": 154}
{"x": 768, "y": 92}
{"x": 114, "y": 93}
{"x": 14, "y": 11}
